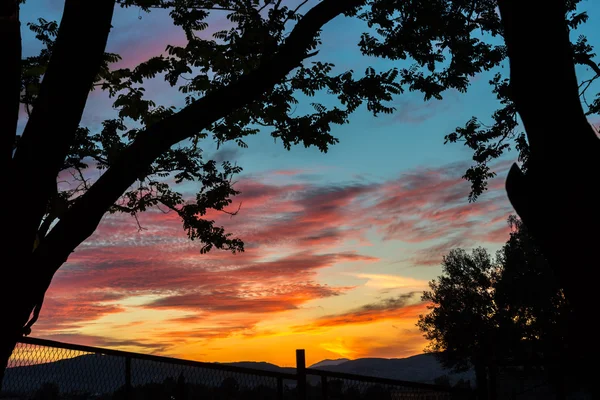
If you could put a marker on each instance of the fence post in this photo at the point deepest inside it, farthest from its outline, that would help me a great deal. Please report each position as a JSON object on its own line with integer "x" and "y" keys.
{"x": 301, "y": 373}
{"x": 280, "y": 388}
{"x": 324, "y": 387}
{"x": 128, "y": 378}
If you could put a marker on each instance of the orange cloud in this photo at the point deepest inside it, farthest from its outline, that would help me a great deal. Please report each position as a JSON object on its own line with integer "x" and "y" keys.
{"x": 395, "y": 343}
{"x": 294, "y": 233}
{"x": 263, "y": 299}
{"x": 405, "y": 306}
{"x": 60, "y": 313}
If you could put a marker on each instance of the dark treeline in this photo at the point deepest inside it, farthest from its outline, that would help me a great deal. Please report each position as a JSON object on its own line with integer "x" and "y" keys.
{"x": 231, "y": 389}
{"x": 505, "y": 313}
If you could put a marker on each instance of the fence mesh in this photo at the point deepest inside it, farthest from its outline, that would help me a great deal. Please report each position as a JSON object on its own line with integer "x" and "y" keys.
{"x": 364, "y": 388}
{"x": 40, "y": 370}
{"x": 193, "y": 382}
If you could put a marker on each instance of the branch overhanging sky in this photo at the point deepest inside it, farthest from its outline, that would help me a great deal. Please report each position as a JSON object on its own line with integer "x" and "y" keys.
{"x": 339, "y": 246}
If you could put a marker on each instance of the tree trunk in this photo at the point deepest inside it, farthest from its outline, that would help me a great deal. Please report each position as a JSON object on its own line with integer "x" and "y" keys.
{"x": 7, "y": 345}
{"x": 9, "y": 334}
{"x": 557, "y": 198}
{"x": 10, "y": 77}
{"x": 19, "y": 290}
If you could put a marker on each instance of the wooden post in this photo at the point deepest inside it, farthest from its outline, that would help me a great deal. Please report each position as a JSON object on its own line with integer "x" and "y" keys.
{"x": 301, "y": 373}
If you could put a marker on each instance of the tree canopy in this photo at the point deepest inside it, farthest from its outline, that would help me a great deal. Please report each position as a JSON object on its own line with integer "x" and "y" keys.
{"x": 493, "y": 137}
{"x": 270, "y": 44}
{"x": 507, "y": 308}
{"x": 462, "y": 314}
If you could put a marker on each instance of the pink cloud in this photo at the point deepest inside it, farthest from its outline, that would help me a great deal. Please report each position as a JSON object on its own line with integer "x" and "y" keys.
{"x": 270, "y": 299}
{"x": 291, "y": 231}
{"x": 71, "y": 311}
{"x": 289, "y": 172}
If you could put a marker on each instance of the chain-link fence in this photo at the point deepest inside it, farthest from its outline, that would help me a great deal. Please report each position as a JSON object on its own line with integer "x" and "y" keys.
{"x": 536, "y": 380}
{"x": 329, "y": 385}
{"x": 43, "y": 370}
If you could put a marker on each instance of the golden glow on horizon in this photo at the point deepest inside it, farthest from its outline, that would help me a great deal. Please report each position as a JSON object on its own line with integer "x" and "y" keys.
{"x": 242, "y": 337}
{"x": 381, "y": 281}
{"x": 307, "y": 281}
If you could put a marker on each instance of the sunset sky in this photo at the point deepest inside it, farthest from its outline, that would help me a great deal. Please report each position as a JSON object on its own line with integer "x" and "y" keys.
{"x": 339, "y": 246}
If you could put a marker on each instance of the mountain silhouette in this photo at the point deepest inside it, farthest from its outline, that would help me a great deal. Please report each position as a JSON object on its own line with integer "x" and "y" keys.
{"x": 420, "y": 368}
{"x": 328, "y": 362}
{"x": 95, "y": 373}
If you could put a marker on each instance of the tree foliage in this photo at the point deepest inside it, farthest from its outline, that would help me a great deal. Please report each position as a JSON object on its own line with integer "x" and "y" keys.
{"x": 441, "y": 38}
{"x": 484, "y": 307}
{"x": 529, "y": 296}
{"x": 491, "y": 138}
{"x": 462, "y": 313}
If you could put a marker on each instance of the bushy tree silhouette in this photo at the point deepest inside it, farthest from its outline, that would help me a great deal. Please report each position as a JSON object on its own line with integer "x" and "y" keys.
{"x": 558, "y": 147}
{"x": 462, "y": 322}
{"x": 484, "y": 309}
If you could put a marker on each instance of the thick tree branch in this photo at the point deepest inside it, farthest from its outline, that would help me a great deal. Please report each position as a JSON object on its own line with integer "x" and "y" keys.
{"x": 84, "y": 216}
{"x": 557, "y": 197}
{"x": 563, "y": 145}
{"x": 10, "y": 77}
{"x": 590, "y": 63}
{"x": 544, "y": 94}
{"x": 76, "y": 59}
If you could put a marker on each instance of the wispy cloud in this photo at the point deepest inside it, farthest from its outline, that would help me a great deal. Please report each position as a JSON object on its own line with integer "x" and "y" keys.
{"x": 404, "y": 306}
{"x": 381, "y": 281}
{"x": 295, "y": 231}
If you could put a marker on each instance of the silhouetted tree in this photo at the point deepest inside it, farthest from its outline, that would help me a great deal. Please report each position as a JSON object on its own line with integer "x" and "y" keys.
{"x": 461, "y": 320}
{"x": 235, "y": 82}
{"x": 530, "y": 298}
{"x": 535, "y": 313}
{"x": 551, "y": 187}
{"x": 511, "y": 308}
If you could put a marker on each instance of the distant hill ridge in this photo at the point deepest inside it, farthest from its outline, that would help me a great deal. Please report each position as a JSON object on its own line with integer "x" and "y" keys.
{"x": 327, "y": 363}
{"x": 92, "y": 372}
{"x": 418, "y": 368}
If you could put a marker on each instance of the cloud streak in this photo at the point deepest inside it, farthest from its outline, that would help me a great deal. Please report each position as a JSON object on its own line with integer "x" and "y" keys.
{"x": 296, "y": 232}
{"x": 404, "y": 306}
